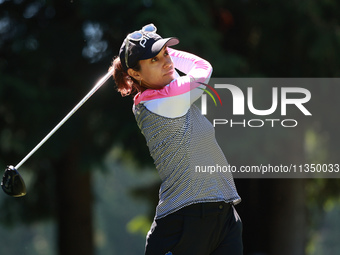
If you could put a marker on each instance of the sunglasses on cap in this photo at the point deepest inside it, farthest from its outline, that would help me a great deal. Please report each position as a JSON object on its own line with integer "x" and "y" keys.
{"x": 137, "y": 36}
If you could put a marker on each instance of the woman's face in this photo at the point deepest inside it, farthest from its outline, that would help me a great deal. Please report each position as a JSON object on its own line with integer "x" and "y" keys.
{"x": 158, "y": 71}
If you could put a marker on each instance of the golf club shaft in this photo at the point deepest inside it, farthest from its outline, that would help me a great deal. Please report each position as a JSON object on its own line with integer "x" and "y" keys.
{"x": 93, "y": 90}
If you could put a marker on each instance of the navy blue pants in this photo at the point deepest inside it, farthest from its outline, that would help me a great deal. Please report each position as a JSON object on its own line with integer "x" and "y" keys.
{"x": 200, "y": 229}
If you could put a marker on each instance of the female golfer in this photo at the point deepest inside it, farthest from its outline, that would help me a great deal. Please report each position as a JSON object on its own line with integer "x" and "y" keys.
{"x": 195, "y": 214}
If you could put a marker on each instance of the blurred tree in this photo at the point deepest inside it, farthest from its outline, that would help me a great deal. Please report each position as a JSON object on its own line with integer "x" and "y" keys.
{"x": 46, "y": 51}
{"x": 284, "y": 39}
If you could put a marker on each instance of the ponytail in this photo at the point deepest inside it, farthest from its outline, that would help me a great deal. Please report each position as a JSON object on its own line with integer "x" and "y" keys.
{"x": 125, "y": 84}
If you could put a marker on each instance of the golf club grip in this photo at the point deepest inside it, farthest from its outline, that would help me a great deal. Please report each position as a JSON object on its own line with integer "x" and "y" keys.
{"x": 93, "y": 90}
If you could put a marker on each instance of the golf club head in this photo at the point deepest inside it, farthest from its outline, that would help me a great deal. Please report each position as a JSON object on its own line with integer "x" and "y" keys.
{"x": 12, "y": 183}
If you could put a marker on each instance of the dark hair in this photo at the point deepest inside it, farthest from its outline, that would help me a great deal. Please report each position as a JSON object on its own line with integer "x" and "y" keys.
{"x": 126, "y": 84}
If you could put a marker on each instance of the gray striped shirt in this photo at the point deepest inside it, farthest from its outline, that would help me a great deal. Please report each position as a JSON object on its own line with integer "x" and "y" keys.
{"x": 179, "y": 146}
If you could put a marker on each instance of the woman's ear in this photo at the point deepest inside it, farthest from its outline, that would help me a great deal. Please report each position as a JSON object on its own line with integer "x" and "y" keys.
{"x": 134, "y": 74}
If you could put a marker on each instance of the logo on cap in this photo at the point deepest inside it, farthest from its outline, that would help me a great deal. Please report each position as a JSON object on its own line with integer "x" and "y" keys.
{"x": 144, "y": 40}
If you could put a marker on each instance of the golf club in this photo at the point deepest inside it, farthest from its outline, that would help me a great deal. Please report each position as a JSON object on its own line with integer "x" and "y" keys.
{"x": 12, "y": 183}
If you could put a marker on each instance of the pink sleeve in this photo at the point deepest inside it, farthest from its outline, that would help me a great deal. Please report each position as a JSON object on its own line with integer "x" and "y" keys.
{"x": 190, "y": 64}
{"x": 196, "y": 70}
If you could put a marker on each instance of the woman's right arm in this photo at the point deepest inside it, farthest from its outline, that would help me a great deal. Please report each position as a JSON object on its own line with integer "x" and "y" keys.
{"x": 175, "y": 99}
{"x": 192, "y": 65}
